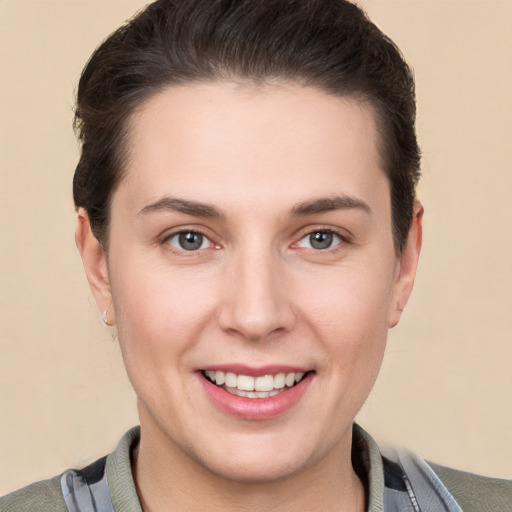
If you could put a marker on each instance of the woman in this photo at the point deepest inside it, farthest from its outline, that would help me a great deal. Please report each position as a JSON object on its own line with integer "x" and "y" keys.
{"x": 247, "y": 220}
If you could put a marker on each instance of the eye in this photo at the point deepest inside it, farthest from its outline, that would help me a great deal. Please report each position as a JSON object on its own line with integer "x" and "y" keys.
{"x": 189, "y": 241}
{"x": 320, "y": 240}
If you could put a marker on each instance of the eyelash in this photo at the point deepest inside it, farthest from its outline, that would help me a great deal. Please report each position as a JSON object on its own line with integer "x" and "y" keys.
{"x": 342, "y": 240}
{"x": 184, "y": 233}
{"x": 207, "y": 243}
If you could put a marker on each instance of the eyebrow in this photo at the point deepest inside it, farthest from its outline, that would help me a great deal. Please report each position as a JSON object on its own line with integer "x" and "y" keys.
{"x": 304, "y": 209}
{"x": 328, "y": 204}
{"x": 182, "y": 206}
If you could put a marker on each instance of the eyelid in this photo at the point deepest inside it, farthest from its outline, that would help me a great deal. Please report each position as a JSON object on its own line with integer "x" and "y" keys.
{"x": 188, "y": 229}
{"x": 205, "y": 241}
{"x": 344, "y": 237}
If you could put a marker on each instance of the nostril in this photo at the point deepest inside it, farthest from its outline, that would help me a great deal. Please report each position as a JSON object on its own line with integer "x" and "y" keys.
{"x": 260, "y": 327}
{"x": 256, "y": 302}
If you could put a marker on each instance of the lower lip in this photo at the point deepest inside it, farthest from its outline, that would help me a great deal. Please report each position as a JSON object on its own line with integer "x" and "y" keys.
{"x": 256, "y": 408}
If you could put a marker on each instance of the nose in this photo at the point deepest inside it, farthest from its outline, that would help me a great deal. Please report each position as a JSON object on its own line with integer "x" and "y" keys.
{"x": 257, "y": 303}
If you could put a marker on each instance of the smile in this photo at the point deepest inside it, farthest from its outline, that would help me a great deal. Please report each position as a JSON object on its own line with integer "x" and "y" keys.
{"x": 247, "y": 386}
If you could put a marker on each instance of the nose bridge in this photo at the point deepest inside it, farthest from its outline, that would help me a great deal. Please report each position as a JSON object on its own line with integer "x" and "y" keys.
{"x": 257, "y": 303}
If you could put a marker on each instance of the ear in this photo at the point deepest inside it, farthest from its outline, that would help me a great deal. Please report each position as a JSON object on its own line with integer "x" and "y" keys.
{"x": 406, "y": 266}
{"x": 94, "y": 260}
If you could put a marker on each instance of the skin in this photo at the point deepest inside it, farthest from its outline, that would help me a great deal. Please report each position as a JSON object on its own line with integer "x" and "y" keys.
{"x": 256, "y": 293}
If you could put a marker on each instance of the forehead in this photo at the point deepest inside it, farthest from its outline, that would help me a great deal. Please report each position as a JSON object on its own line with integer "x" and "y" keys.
{"x": 222, "y": 140}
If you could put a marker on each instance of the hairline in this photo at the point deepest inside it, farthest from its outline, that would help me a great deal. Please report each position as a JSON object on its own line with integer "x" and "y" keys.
{"x": 139, "y": 104}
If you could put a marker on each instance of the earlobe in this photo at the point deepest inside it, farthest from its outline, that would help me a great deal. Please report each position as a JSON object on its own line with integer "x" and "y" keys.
{"x": 407, "y": 265}
{"x": 94, "y": 260}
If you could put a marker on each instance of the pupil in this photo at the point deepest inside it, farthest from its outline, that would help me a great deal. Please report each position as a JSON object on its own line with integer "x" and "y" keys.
{"x": 321, "y": 240}
{"x": 191, "y": 241}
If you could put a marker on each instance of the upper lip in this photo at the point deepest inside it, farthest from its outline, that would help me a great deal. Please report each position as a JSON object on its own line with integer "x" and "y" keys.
{"x": 257, "y": 371}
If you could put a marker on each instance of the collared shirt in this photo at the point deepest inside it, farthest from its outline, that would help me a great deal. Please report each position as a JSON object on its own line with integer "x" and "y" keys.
{"x": 108, "y": 484}
{"x": 399, "y": 482}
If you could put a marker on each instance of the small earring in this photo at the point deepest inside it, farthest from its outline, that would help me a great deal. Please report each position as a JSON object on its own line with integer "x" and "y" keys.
{"x": 104, "y": 318}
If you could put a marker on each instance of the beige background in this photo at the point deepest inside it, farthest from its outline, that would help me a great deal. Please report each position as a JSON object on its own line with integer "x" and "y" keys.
{"x": 444, "y": 390}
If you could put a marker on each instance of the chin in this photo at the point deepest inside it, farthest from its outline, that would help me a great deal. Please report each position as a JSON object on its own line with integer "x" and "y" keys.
{"x": 263, "y": 460}
{"x": 255, "y": 470}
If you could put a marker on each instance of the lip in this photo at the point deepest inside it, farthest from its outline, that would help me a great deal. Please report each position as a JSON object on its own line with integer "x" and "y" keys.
{"x": 254, "y": 371}
{"x": 255, "y": 409}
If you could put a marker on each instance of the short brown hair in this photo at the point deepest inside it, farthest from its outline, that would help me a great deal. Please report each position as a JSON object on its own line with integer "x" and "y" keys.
{"x": 328, "y": 44}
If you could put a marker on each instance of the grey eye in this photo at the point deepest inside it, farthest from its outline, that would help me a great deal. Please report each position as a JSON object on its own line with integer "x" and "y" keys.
{"x": 189, "y": 241}
{"x": 320, "y": 240}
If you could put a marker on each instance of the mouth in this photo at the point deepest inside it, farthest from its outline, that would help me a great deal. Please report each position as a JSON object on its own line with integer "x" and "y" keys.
{"x": 254, "y": 387}
{"x": 256, "y": 394}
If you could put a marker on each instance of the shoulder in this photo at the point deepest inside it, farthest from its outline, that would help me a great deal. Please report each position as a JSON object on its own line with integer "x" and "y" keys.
{"x": 436, "y": 487}
{"x": 44, "y": 496}
{"x": 475, "y": 492}
{"x": 84, "y": 486}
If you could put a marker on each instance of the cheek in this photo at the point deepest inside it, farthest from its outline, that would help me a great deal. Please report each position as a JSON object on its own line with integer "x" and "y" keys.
{"x": 350, "y": 315}
{"x": 159, "y": 314}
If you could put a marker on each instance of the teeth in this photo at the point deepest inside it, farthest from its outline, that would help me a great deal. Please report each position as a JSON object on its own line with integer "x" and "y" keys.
{"x": 219, "y": 378}
{"x": 265, "y": 383}
{"x": 254, "y": 387}
{"x": 230, "y": 380}
{"x": 253, "y": 394}
{"x": 280, "y": 381}
{"x": 290, "y": 379}
{"x": 245, "y": 383}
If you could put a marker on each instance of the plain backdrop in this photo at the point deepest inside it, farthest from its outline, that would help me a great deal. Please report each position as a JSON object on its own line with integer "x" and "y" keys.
{"x": 444, "y": 390}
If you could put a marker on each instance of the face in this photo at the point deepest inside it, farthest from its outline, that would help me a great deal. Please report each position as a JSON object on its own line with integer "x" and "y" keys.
{"x": 253, "y": 275}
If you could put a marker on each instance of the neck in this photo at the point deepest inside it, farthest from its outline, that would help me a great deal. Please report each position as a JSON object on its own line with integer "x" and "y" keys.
{"x": 165, "y": 475}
